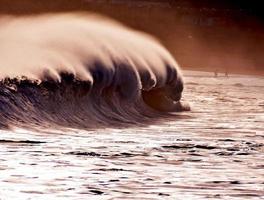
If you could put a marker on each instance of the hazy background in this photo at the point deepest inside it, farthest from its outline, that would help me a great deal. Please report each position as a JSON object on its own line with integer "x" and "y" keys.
{"x": 204, "y": 35}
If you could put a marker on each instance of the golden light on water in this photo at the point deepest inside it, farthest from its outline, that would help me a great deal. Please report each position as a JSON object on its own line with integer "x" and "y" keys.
{"x": 131, "y": 99}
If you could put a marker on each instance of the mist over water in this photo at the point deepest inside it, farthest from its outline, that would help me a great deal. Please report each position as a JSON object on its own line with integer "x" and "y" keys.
{"x": 87, "y": 110}
{"x": 56, "y": 66}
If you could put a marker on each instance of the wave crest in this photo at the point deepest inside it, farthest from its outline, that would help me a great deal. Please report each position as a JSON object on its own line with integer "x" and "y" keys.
{"x": 80, "y": 68}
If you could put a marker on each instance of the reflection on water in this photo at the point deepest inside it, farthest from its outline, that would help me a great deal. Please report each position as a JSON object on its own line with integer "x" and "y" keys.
{"x": 216, "y": 151}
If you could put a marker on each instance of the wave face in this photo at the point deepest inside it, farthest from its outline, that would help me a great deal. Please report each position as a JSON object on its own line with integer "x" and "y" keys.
{"x": 82, "y": 70}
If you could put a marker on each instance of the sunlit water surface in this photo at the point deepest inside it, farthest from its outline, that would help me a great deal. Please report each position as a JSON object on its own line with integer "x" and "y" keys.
{"x": 216, "y": 151}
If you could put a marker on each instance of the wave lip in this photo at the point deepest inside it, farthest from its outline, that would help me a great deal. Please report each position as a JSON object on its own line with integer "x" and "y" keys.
{"x": 83, "y": 69}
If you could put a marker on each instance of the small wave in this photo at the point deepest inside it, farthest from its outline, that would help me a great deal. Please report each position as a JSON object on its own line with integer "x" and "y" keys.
{"x": 83, "y": 70}
{"x": 238, "y": 85}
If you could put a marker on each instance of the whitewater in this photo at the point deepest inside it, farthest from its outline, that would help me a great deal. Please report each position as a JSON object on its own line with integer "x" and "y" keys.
{"x": 83, "y": 70}
{"x": 89, "y": 110}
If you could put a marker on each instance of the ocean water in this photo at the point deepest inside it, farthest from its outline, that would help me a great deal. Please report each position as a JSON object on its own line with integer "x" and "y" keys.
{"x": 214, "y": 151}
{"x": 91, "y": 114}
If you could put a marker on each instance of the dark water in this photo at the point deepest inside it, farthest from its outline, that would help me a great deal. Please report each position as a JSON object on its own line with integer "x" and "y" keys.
{"x": 216, "y": 151}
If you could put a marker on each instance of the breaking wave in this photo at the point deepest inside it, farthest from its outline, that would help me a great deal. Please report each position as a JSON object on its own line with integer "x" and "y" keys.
{"x": 82, "y": 70}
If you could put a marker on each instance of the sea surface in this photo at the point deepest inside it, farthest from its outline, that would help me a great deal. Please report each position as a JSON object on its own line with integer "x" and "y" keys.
{"x": 215, "y": 151}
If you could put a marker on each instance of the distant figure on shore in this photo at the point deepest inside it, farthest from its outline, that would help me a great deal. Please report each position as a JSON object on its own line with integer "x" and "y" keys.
{"x": 216, "y": 73}
{"x": 226, "y": 73}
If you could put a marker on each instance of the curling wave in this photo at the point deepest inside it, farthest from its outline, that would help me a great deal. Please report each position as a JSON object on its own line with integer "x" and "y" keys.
{"x": 66, "y": 69}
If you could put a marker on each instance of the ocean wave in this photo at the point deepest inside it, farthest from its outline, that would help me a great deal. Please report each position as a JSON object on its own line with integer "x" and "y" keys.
{"x": 66, "y": 69}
